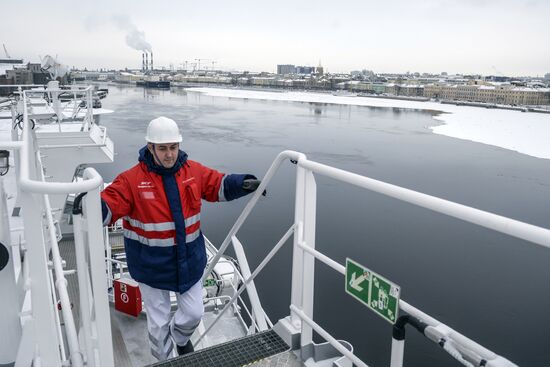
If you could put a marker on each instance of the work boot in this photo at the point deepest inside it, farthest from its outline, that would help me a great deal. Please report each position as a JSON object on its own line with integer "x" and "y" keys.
{"x": 186, "y": 349}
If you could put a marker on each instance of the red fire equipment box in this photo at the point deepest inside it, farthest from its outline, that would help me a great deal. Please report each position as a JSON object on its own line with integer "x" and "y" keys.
{"x": 127, "y": 296}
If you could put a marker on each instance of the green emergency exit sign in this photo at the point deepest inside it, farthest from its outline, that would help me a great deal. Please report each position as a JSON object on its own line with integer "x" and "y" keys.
{"x": 373, "y": 290}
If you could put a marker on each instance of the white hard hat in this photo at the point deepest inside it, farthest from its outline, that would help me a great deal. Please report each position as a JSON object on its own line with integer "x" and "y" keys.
{"x": 163, "y": 130}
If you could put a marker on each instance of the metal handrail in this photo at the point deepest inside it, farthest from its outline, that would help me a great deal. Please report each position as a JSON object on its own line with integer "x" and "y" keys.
{"x": 264, "y": 262}
{"x": 28, "y": 185}
{"x": 512, "y": 227}
{"x": 33, "y": 186}
{"x": 443, "y": 329}
{"x": 61, "y": 281}
{"x": 532, "y": 233}
{"x": 252, "y": 292}
{"x": 248, "y": 313}
{"x": 267, "y": 319}
{"x": 241, "y": 277}
{"x": 287, "y": 154}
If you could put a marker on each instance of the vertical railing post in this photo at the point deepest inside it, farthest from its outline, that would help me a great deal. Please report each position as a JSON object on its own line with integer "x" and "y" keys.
{"x": 90, "y": 107}
{"x": 83, "y": 285}
{"x": 308, "y": 276}
{"x": 108, "y": 255}
{"x": 98, "y": 274}
{"x": 297, "y": 252}
{"x": 397, "y": 352}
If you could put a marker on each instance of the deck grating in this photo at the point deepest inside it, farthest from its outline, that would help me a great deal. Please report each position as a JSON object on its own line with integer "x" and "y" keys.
{"x": 239, "y": 352}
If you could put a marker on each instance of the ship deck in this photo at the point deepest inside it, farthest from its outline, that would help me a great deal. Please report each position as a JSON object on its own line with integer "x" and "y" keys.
{"x": 130, "y": 338}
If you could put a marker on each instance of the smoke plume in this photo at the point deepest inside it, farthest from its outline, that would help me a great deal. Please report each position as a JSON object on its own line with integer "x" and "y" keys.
{"x": 134, "y": 37}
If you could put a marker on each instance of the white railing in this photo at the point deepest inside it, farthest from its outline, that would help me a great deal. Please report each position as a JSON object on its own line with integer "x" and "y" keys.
{"x": 465, "y": 350}
{"x": 258, "y": 318}
{"x": 53, "y": 92}
{"x": 41, "y": 337}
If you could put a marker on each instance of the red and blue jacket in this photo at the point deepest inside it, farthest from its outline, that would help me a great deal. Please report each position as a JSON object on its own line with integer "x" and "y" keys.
{"x": 161, "y": 211}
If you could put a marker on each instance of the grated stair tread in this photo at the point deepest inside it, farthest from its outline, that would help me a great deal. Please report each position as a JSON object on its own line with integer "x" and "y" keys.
{"x": 240, "y": 352}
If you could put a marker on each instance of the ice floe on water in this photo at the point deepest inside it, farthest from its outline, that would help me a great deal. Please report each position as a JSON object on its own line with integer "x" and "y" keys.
{"x": 524, "y": 132}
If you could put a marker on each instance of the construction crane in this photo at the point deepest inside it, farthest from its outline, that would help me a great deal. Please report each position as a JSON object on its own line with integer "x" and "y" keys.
{"x": 6, "y": 51}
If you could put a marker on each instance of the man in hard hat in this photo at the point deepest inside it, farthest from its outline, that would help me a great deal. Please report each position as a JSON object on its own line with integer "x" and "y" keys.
{"x": 159, "y": 200}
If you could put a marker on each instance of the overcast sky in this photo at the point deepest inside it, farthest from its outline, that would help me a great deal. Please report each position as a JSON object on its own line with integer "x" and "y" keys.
{"x": 509, "y": 37}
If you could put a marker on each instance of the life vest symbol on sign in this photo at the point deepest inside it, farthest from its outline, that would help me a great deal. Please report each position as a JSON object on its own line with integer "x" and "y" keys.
{"x": 123, "y": 288}
{"x": 124, "y": 297}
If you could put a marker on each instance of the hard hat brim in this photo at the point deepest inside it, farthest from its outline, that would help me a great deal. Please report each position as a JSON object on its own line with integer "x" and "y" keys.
{"x": 160, "y": 141}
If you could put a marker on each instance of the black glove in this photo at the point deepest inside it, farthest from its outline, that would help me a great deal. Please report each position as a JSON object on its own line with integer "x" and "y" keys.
{"x": 77, "y": 204}
{"x": 251, "y": 184}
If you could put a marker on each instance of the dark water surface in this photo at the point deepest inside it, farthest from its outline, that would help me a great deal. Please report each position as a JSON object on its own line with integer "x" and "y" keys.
{"x": 489, "y": 286}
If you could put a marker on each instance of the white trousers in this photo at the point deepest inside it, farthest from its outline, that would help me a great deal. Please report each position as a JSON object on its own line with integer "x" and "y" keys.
{"x": 161, "y": 324}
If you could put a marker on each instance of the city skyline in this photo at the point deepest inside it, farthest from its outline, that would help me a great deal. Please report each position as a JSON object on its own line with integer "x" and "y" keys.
{"x": 458, "y": 37}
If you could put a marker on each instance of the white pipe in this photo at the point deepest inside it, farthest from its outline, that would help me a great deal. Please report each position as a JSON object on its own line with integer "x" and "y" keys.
{"x": 397, "y": 352}
{"x": 335, "y": 343}
{"x": 482, "y": 218}
{"x": 21, "y": 86}
{"x": 296, "y": 292}
{"x": 83, "y": 286}
{"x": 323, "y": 258}
{"x": 308, "y": 276}
{"x": 90, "y": 145}
{"x": 15, "y": 145}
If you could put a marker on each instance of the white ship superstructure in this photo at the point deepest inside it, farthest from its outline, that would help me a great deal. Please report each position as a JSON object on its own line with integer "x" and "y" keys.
{"x": 58, "y": 265}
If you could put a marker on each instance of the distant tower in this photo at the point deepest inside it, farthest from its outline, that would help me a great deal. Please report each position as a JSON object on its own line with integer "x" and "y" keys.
{"x": 320, "y": 70}
{"x": 152, "y": 61}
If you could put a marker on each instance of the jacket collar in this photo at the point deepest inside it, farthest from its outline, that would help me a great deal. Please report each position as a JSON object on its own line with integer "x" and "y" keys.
{"x": 146, "y": 157}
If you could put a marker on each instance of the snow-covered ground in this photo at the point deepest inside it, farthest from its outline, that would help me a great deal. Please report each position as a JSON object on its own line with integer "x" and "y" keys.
{"x": 524, "y": 132}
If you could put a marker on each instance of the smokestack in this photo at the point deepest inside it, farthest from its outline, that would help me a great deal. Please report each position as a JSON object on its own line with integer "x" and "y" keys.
{"x": 152, "y": 61}
{"x": 146, "y": 61}
{"x": 143, "y": 61}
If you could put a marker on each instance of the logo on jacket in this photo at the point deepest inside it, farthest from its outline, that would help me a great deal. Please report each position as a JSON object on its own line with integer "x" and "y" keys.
{"x": 145, "y": 185}
{"x": 147, "y": 195}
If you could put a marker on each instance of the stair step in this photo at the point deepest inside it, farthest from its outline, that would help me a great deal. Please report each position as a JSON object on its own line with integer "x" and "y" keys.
{"x": 235, "y": 353}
